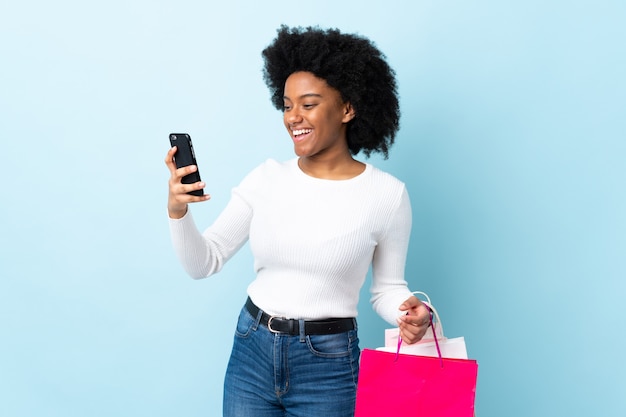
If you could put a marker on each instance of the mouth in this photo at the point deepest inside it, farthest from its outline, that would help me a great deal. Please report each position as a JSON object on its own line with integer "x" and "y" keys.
{"x": 300, "y": 134}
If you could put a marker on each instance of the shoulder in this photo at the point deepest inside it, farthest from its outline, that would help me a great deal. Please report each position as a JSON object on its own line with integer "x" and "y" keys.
{"x": 270, "y": 168}
{"x": 393, "y": 200}
{"x": 385, "y": 181}
{"x": 389, "y": 191}
{"x": 268, "y": 173}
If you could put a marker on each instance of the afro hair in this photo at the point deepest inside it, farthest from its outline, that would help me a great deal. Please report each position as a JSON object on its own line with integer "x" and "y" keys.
{"x": 349, "y": 63}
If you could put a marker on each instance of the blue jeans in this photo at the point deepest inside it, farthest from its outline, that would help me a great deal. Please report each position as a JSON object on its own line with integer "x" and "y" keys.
{"x": 272, "y": 375}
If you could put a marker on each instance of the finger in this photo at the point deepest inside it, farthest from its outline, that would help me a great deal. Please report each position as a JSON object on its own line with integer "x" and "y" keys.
{"x": 171, "y": 164}
{"x": 195, "y": 187}
{"x": 411, "y": 333}
{"x": 411, "y": 337}
{"x": 169, "y": 159}
{"x": 190, "y": 198}
{"x": 177, "y": 174}
{"x": 181, "y": 172}
{"x": 419, "y": 309}
{"x": 420, "y": 315}
{"x": 410, "y": 303}
{"x": 182, "y": 191}
{"x": 414, "y": 320}
{"x": 187, "y": 189}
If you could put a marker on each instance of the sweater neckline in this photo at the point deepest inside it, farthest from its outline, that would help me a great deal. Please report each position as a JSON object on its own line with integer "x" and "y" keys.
{"x": 302, "y": 174}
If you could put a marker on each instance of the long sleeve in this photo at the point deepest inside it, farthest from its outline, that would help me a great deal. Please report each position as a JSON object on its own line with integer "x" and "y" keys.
{"x": 204, "y": 254}
{"x": 389, "y": 288}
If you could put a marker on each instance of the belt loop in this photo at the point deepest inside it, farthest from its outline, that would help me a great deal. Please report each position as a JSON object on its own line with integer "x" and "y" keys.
{"x": 302, "y": 330}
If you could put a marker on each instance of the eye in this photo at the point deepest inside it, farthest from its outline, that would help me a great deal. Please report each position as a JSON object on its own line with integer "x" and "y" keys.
{"x": 308, "y": 106}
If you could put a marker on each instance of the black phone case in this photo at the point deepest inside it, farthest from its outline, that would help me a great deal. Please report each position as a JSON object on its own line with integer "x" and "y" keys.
{"x": 186, "y": 156}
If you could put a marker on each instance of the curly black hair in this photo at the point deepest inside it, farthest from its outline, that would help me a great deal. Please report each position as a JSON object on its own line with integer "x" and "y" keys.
{"x": 349, "y": 63}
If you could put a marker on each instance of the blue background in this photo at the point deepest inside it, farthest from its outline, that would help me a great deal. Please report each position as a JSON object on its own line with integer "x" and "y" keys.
{"x": 512, "y": 147}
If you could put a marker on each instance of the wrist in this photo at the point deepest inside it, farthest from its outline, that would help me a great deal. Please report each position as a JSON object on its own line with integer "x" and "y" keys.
{"x": 177, "y": 212}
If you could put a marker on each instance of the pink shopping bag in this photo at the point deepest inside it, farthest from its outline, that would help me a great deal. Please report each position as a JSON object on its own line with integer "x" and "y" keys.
{"x": 415, "y": 386}
{"x": 396, "y": 384}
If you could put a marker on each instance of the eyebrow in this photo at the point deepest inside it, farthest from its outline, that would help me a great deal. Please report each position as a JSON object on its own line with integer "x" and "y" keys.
{"x": 304, "y": 96}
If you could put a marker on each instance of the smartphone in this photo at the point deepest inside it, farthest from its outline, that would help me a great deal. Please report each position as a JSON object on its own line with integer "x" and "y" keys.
{"x": 185, "y": 156}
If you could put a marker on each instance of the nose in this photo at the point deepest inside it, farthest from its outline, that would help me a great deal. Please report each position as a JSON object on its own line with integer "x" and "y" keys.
{"x": 293, "y": 117}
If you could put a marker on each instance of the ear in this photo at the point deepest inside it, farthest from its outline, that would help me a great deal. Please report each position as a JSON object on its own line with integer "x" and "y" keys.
{"x": 349, "y": 112}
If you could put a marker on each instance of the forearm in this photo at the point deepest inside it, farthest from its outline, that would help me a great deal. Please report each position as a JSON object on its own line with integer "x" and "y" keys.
{"x": 389, "y": 287}
{"x": 191, "y": 248}
{"x": 204, "y": 254}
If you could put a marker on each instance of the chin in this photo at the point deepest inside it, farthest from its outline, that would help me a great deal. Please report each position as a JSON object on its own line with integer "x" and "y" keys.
{"x": 301, "y": 152}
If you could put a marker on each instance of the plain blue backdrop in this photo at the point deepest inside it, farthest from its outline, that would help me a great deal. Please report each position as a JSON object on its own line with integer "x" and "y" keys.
{"x": 512, "y": 146}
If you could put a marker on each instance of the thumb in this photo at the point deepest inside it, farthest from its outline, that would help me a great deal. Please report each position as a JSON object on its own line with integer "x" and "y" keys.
{"x": 410, "y": 303}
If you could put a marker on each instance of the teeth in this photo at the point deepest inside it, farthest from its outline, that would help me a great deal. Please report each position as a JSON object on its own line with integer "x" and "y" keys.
{"x": 301, "y": 131}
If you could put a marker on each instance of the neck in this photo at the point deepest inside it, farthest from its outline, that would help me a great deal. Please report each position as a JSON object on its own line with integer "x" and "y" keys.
{"x": 331, "y": 169}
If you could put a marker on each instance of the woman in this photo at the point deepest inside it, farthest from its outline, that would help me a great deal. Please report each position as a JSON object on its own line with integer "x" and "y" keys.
{"x": 315, "y": 224}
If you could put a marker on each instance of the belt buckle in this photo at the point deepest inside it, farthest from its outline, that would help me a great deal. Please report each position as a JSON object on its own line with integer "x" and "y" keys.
{"x": 269, "y": 324}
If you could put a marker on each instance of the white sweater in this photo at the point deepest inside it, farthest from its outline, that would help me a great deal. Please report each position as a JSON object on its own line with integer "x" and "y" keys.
{"x": 313, "y": 240}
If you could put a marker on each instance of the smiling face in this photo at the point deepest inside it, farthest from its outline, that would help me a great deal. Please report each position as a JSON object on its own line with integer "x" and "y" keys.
{"x": 315, "y": 116}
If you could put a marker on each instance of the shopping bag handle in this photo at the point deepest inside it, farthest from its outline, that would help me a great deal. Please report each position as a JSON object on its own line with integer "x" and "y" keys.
{"x": 432, "y": 312}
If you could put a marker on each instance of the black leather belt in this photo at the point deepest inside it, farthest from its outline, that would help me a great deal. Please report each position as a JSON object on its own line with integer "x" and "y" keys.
{"x": 292, "y": 327}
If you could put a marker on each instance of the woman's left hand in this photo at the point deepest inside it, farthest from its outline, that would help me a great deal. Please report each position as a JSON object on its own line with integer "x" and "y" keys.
{"x": 414, "y": 324}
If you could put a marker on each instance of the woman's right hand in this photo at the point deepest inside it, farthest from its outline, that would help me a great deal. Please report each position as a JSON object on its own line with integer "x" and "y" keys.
{"x": 178, "y": 198}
